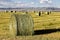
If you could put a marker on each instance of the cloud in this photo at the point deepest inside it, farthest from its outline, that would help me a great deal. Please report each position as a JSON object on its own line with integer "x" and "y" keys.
{"x": 32, "y": 2}
{"x": 6, "y": 0}
{"x": 7, "y": 4}
{"x": 14, "y": 4}
{"x": 21, "y": 3}
{"x": 25, "y": 4}
{"x": 49, "y": 1}
{"x": 45, "y": 1}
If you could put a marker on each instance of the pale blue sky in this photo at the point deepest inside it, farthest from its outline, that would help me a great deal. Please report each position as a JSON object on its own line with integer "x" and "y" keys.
{"x": 29, "y": 3}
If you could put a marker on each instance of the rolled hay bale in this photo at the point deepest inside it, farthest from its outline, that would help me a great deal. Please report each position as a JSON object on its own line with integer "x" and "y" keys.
{"x": 15, "y": 11}
{"x": 13, "y": 25}
{"x": 47, "y": 13}
{"x": 34, "y": 11}
{"x": 25, "y": 25}
{"x": 11, "y": 11}
{"x": 39, "y": 13}
{"x": 7, "y": 11}
{"x": 26, "y": 12}
{"x": 50, "y": 12}
{"x": 42, "y": 12}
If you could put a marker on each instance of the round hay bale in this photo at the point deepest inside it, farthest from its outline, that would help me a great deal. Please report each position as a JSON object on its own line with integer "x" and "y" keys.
{"x": 6, "y": 11}
{"x": 47, "y": 13}
{"x": 34, "y": 11}
{"x": 11, "y": 11}
{"x": 39, "y": 13}
{"x": 25, "y": 25}
{"x": 26, "y": 12}
{"x": 15, "y": 11}
{"x": 13, "y": 25}
{"x": 50, "y": 12}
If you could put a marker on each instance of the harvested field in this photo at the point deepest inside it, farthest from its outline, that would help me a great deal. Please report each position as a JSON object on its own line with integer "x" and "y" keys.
{"x": 43, "y": 22}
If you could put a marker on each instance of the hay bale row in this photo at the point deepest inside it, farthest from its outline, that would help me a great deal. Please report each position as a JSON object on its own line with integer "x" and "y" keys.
{"x": 48, "y": 13}
{"x": 10, "y": 11}
{"x": 41, "y": 12}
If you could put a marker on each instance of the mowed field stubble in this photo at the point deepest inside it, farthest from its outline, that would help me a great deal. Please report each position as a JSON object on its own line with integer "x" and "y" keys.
{"x": 42, "y": 22}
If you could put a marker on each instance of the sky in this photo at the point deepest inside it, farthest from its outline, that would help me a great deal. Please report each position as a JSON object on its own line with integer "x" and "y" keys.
{"x": 29, "y": 3}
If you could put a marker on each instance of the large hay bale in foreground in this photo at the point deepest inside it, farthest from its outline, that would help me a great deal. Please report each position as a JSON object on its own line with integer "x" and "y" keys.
{"x": 13, "y": 25}
{"x": 21, "y": 24}
{"x": 25, "y": 24}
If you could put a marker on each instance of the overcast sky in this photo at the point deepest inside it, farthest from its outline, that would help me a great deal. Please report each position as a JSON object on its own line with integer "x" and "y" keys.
{"x": 29, "y": 3}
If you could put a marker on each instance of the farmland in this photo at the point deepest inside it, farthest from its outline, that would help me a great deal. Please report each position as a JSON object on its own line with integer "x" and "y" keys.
{"x": 51, "y": 21}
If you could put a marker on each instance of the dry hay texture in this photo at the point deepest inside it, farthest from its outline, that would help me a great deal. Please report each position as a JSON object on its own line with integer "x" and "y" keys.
{"x": 40, "y": 22}
{"x": 24, "y": 24}
{"x": 13, "y": 25}
{"x": 21, "y": 25}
